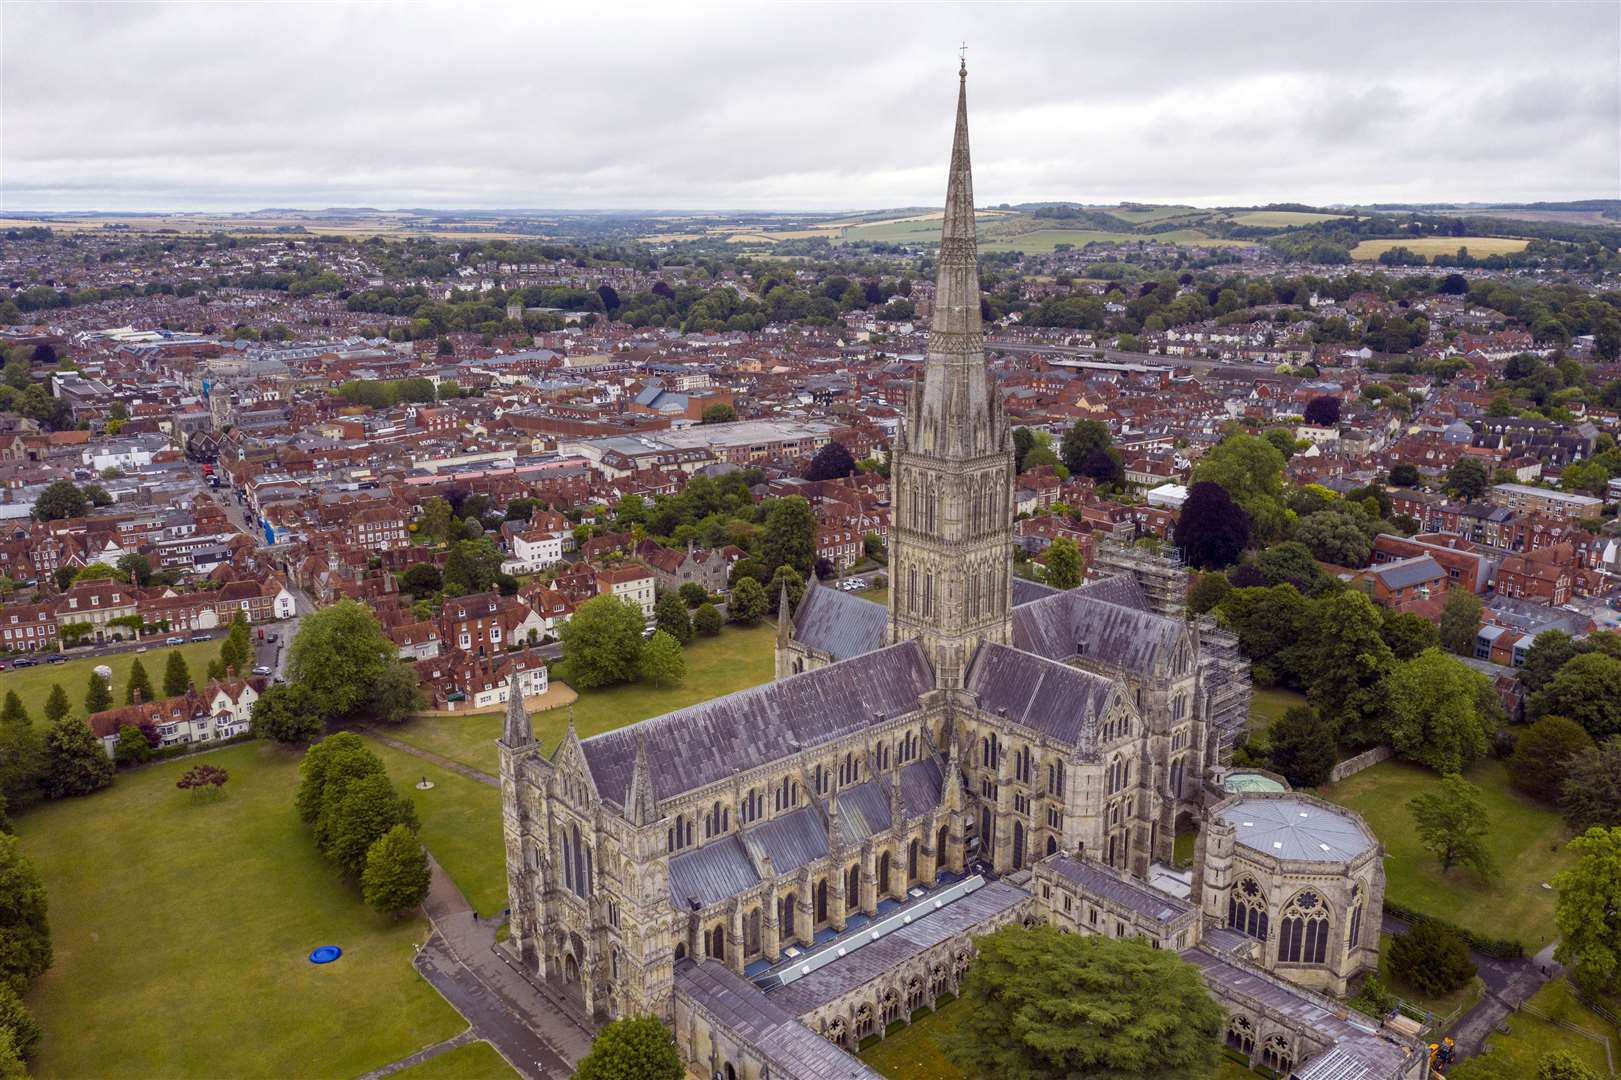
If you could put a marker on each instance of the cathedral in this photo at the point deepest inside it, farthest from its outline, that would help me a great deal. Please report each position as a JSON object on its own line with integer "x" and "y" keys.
{"x": 782, "y": 873}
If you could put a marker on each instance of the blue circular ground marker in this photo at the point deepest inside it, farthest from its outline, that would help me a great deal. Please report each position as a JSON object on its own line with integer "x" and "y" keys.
{"x": 325, "y": 954}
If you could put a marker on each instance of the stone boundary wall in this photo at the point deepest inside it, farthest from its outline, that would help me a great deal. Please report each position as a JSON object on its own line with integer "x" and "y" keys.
{"x": 1365, "y": 760}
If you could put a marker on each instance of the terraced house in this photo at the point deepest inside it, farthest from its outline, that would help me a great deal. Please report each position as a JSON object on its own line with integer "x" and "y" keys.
{"x": 814, "y": 857}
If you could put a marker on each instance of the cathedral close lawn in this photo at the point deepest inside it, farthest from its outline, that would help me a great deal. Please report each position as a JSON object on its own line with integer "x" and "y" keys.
{"x": 1527, "y": 840}
{"x": 737, "y": 658}
{"x": 181, "y": 930}
{"x": 474, "y": 1061}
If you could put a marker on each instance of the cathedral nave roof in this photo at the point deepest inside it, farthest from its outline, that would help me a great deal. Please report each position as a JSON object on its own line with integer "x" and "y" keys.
{"x": 1062, "y": 702}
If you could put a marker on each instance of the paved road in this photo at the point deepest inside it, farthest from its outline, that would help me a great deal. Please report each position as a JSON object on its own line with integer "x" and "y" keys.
{"x": 538, "y": 1036}
{"x": 1114, "y": 356}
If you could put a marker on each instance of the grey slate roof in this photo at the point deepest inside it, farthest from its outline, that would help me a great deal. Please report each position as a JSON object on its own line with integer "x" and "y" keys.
{"x": 1100, "y": 880}
{"x": 921, "y": 785}
{"x": 893, "y": 949}
{"x": 1352, "y": 1040}
{"x": 712, "y": 873}
{"x": 863, "y": 811}
{"x": 1025, "y": 591}
{"x": 699, "y": 745}
{"x": 1060, "y": 701}
{"x": 839, "y": 623}
{"x": 1405, "y": 572}
{"x": 792, "y": 1050}
{"x": 1115, "y": 634}
{"x": 1290, "y": 828}
{"x": 791, "y": 840}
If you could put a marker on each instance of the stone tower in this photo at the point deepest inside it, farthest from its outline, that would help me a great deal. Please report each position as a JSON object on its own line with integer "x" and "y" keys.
{"x": 951, "y": 522}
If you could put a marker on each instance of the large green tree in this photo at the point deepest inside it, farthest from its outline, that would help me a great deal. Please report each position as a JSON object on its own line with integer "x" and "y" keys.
{"x": 1544, "y": 753}
{"x": 75, "y": 763}
{"x": 285, "y": 713}
{"x": 1434, "y": 711}
{"x": 60, "y": 500}
{"x": 56, "y": 704}
{"x": 635, "y": 1048}
{"x": 1587, "y": 689}
{"x": 98, "y": 696}
{"x": 176, "y": 675}
{"x": 1083, "y": 439}
{"x": 1347, "y": 661}
{"x": 1431, "y": 958}
{"x": 25, "y": 933}
{"x": 396, "y": 876}
{"x": 1340, "y": 535}
{"x": 236, "y": 651}
{"x": 139, "y": 684}
{"x": 747, "y": 601}
{"x": 790, "y": 536}
{"x": 1302, "y": 745}
{"x": 1063, "y": 563}
{"x": 1045, "y": 1004}
{"x": 661, "y": 661}
{"x": 1591, "y": 793}
{"x": 602, "y": 642}
{"x": 1589, "y": 909}
{"x": 1212, "y": 530}
{"x": 1460, "y": 622}
{"x": 707, "y": 621}
{"x": 342, "y": 658}
{"x": 670, "y": 615}
{"x": 1450, "y": 820}
{"x": 785, "y": 580}
{"x": 473, "y": 566}
{"x": 1251, "y": 469}
{"x": 1467, "y": 478}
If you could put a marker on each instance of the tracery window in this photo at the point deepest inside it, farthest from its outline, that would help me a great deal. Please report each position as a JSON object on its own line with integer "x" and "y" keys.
{"x": 1303, "y": 935}
{"x": 1276, "y": 1056}
{"x": 1241, "y": 1034}
{"x": 1246, "y": 909}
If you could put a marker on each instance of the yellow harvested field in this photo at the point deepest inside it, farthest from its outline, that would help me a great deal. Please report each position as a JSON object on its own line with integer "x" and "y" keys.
{"x": 1479, "y": 246}
{"x": 1278, "y": 219}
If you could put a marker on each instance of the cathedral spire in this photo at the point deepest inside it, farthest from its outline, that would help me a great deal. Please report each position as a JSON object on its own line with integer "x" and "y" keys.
{"x": 641, "y": 805}
{"x": 958, "y": 414}
{"x": 516, "y": 731}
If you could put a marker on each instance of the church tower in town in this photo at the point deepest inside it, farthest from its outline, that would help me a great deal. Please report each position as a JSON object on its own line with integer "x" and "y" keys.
{"x": 951, "y": 519}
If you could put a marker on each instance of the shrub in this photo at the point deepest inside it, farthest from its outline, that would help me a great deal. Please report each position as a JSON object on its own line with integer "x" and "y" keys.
{"x": 1431, "y": 958}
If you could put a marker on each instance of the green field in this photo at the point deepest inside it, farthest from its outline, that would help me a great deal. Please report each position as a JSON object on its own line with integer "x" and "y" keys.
{"x": 470, "y": 1061}
{"x": 1045, "y": 240}
{"x": 1267, "y": 706}
{"x": 916, "y": 229}
{"x": 1527, "y": 840}
{"x": 461, "y": 825}
{"x": 1281, "y": 219}
{"x": 33, "y": 685}
{"x": 738, "y": 658}
{"x": 1153, "y": 215}
{"x": 1530, "y": 1037}
{"x": 916, "y": 1052}
{"x": 1479, "y": 246}
{"x": 182, "y": 929}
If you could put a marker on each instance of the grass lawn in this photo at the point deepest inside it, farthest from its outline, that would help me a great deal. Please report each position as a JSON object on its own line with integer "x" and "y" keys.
{"x": 736, "y": 659}
{"x": 916, "y": 1052}
{"x": 33, "y": 684}
{"x": 1529, "y": 1037}
{"x": 182, "y": 930}
{"x": 1479, "y": 246}
{"x": 1228, "y": 1069}
{"x": 1280, "y": 219}
{"x": 471, "y": 1061}
{"x": 1268, "y": 705}
{"x": 1182, "y": 848}
{"x": 1527, "y": 840}
{"x": 461, "y": 825}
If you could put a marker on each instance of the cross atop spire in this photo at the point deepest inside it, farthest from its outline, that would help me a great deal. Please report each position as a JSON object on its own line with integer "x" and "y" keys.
{"x": 962, "y": 55}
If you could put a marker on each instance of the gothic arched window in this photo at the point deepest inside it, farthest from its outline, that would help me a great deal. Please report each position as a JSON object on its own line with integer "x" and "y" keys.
{"x": 1303, "y": 934}
{"x": 1356, "y": 915}
{"x": 1246, "y": 909}
{"x": 1276, "y": 1056}
{"x": 1241, "y": 1034}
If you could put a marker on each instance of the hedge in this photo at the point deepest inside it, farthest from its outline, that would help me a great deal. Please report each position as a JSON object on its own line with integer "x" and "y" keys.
{"x": 1499, "y": 948}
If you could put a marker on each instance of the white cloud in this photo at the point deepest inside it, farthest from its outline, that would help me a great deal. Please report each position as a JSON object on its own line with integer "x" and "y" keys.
{"x": 801, "y": 106}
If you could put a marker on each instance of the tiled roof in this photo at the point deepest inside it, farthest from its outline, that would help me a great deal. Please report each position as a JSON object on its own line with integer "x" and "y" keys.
{"x": 839, "y": 623}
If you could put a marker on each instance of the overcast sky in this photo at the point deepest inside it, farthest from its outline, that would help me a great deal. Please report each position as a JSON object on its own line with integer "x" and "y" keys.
{"x": 806, "y": 106}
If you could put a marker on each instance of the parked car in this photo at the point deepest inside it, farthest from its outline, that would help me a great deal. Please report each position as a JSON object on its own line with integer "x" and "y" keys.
{"x": 271, "y": 637}
{"x": 261, "y": 669}
{"x": 200, "y": 637}
{"x": 175, "y": 639}
{"x": 56, "y": 658}
{"x": 25, "y": 661}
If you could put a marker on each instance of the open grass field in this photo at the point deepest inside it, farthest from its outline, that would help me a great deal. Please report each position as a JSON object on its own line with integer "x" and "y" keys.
{"x": 917, "y": 229}
{"x": 1281, "y": 219}
{"x": 182, "y": 929}
{"x": 1530, "y": 1037}
{"x": 1268, "y": 705}
{"x": 1153, "y": 215}
{"x": 1479, "y": 246}
{"x": 916, "y": 1052}
{"x": 461, "y": 825}
{"x": 472, "y": 1061}
{"x": 33, "y": 685}
{"x": 736, "y": 659}
{"x": 1526, "y": 839}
